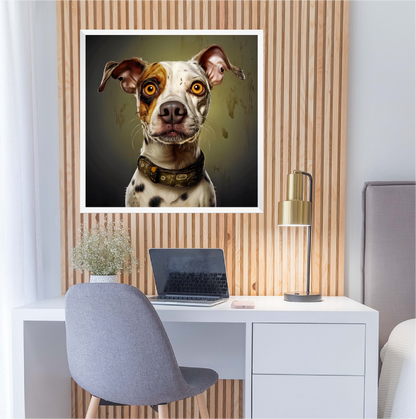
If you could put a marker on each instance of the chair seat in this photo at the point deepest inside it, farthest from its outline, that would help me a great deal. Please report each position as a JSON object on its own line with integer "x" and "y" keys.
{"x": 198, "y": 379}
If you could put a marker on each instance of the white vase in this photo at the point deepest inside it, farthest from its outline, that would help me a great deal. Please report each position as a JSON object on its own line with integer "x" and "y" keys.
{"x": 96, "y": 279}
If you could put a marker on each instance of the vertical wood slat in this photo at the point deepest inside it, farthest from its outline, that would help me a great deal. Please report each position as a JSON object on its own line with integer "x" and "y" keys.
{"x": 305, "y": 99}
{"x": 318, "y": 158}
{"x": 343, "y": 143}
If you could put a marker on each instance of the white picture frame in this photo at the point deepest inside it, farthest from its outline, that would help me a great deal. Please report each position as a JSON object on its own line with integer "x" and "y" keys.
{"x": 86, "y": 207}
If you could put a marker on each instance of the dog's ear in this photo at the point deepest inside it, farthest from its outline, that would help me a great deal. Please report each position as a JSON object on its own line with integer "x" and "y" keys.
{"x": 128, "y": 72}
{"x": 215, "y": 62}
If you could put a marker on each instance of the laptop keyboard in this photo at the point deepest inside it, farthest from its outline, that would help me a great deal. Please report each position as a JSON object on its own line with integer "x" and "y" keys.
{"x": 175, "y": 298}
{"x": 196, "y": 283}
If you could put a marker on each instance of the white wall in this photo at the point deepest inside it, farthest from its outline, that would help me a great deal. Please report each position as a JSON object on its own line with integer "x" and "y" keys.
{"x": 381, "y": 111}
{"x": 380, "y": 125}
{"x": 48, "y": 137}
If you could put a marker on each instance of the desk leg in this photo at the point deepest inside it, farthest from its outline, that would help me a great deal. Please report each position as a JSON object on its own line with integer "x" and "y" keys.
{"x": 43, "y": 388}
{"x": 248, "y": 372}
{"x": 371, "y": 366}
{"x": 18, "y": 367}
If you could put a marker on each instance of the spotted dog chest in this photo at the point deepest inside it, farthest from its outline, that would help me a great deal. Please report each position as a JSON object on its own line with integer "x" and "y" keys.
{"x": 142, "y": 192}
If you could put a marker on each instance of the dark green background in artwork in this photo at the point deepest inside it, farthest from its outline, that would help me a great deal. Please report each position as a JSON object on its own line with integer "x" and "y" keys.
{"x": 114, "y": 139}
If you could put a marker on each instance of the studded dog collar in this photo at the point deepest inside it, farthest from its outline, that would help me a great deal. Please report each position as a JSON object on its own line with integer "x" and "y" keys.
{"x": 183, "y": 178}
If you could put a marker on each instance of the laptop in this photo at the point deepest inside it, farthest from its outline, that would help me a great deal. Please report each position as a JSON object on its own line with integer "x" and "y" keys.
{"x": 194, "y": 277}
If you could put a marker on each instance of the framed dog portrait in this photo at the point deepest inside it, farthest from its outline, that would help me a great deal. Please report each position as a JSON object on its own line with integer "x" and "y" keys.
{"x": 171, "y": 121}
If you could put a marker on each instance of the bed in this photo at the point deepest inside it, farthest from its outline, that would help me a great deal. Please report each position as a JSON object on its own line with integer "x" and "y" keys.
{"x": 388, "y": 271}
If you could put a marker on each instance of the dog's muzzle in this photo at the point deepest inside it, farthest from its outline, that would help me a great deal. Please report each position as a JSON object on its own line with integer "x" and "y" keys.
{"x": 172, "y": 112}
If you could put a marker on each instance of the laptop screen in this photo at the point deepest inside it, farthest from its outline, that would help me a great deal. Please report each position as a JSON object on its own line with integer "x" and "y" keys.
{"x": 199, "y": 272}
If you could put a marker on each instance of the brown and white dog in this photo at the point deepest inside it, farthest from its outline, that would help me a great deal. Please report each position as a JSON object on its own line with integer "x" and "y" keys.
{"x": 173, "y": 99}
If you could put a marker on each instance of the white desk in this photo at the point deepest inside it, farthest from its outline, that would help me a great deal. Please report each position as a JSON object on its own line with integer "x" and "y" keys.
{"x": 297, "y": 360}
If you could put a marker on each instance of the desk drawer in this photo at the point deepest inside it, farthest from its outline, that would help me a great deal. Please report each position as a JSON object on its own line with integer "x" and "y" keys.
{"x": 296, "y": 396}
{"x": 332, "y": 349}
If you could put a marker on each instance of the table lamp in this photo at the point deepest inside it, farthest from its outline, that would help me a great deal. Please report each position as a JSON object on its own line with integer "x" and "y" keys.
{"x": 295, "y": 212}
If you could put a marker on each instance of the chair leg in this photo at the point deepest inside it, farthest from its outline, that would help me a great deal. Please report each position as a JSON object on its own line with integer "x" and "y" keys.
{"x": 93, "y": 408}
{"x": 163, "y": 411}
{"x": 202, "y": 406}
{"x": 134, "y": 412}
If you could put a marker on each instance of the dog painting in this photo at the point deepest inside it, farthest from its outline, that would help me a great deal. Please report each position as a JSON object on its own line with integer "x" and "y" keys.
{"x": 174, "y": 100}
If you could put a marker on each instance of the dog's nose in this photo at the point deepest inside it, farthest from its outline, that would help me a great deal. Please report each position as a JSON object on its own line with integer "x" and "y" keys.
{"x": 172, "y": 112}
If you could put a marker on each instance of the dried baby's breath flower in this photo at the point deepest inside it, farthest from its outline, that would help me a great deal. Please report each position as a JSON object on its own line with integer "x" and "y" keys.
{"x": 104, "y": 250}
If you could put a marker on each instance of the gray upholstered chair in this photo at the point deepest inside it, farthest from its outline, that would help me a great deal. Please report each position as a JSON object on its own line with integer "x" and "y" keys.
{"x": 118, "y": 351}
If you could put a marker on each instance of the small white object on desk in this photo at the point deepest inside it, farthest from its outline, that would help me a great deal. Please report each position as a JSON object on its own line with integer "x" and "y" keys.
{"x": 242, "y": 304}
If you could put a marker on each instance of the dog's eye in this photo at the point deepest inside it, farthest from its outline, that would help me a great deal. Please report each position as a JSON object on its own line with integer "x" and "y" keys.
{"x": 198, "y": 88}
{"x": 149, "y": 89}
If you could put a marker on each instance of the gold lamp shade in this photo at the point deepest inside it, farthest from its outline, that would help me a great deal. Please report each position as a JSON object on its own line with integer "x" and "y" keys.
{"x": 295, "y": 211}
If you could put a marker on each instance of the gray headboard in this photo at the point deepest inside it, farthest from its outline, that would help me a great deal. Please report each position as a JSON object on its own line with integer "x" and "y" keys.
{"x": 388, "y": 252}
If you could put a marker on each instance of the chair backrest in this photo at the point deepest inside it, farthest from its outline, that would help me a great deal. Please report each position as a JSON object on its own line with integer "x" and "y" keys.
{"x": 118, "y": 349}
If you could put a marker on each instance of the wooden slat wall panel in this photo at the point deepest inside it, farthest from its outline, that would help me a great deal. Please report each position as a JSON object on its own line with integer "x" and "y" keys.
{"x": 305, "y": 102}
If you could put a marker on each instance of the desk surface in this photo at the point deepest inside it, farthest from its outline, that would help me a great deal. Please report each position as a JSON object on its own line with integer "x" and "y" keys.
{"x": 267, "y": 309}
